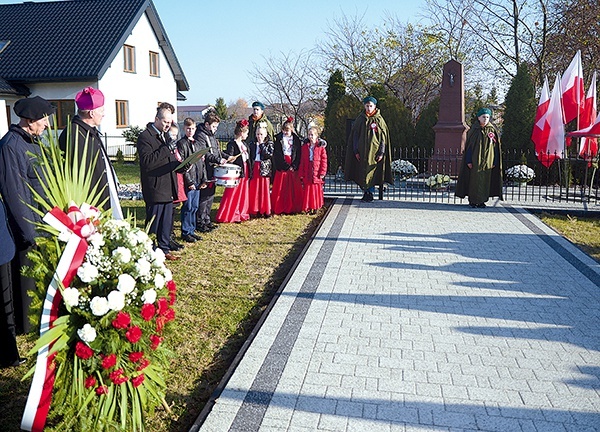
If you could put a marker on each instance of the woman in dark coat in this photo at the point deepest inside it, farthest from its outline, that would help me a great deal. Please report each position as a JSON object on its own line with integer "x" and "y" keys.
{"x": 480, "y": 175}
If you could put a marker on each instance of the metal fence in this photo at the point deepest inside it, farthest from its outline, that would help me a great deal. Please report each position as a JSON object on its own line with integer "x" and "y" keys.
{"x": 568, "y": 180}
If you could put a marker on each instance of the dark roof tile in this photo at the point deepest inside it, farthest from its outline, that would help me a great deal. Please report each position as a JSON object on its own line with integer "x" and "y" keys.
{"x": 64, "y": 40}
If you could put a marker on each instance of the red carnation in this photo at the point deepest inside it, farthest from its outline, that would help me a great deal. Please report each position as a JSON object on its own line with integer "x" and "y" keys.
{"x": 163, "y": 305}
{"x": 115, "y": 373}
{"x": 172, "y": 298}
{"x": 83, "y": 351}
{"x": 143, "y": 364}
{"x": 122, "y": 320}
{"x": 138, "y": 380}
{"x": 134, "y": 334}
{"x": 170, "y": 315}
{"x": 148, "y": 311}
{"x": 117, "y": 377}
{"x": 155, "y": 340}
{"x": 100, "y": 390}
{"x": 135, "y": 357}
{"x": 90, "y": 382}
{"x": 109, "y": 361}
{"x": 171, "y": 286}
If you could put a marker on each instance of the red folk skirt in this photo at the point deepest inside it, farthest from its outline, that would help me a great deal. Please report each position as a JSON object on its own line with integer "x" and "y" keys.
{"x": 260, "y": 195}
{"x": 312, "y": 196}
{"x": 286, "y": 196}
{"x": 234, "y": 202}
{"x": 181, "y": 195}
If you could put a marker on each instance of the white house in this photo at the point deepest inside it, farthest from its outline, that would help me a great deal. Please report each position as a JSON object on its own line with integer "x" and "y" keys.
{"x": 117, "y": 46}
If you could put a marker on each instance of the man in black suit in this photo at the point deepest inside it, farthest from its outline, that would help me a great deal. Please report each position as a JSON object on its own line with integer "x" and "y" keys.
{"x": 159, "y": 182}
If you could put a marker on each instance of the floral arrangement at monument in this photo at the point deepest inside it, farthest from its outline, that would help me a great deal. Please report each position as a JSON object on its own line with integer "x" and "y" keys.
{"x": 404, "y": 169}
{"x": 105, "y": 298}
{"x": 437, "y": 181}
{"x": 520, "y": 174}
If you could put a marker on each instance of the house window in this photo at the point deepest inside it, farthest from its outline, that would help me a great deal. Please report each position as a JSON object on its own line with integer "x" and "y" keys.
{"x": 129, "y": 58}
{"x": 154, "y": 64}
{"x": 65, "y": 110}
{"x": 122, "y": 113}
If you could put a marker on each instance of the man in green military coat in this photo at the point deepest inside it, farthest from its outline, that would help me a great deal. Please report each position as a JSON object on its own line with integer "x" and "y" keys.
{"x": 368, "y": 160}
{"x": 480, "y": 175}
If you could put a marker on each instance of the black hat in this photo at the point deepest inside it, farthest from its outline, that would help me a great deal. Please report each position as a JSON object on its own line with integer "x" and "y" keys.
{"x": 33, "y": 108}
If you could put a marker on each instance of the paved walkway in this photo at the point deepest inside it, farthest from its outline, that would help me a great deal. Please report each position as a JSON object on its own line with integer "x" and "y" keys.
{"x": 425, "y": 317}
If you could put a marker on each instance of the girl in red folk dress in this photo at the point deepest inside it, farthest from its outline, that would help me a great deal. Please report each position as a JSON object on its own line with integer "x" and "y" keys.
{"x": 261, "y": 152}
{"x": 234, "y": 203}
{"x": 313, "y": 167}
{"x": 286, "y": 195}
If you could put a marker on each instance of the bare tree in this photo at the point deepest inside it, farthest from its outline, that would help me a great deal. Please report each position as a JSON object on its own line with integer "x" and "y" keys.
{"x": 293, "y": 85}
{"x": 402, "y": 58}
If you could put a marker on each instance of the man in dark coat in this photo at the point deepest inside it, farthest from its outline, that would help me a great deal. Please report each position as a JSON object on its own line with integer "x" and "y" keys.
{"x": 83, "y": 130}
{"x": 9, "y": 352}
{"x": 159, "y": 182}
{"x": 368, "y": 156}
{"x": 18, "y": 150}
{"x": 205, "y": 135}
{"x": 480, "y": 175}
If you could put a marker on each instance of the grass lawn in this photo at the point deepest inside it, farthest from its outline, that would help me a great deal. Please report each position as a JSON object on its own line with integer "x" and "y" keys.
{"x": 582, "y": 231}
{"x": 224, "y": 284}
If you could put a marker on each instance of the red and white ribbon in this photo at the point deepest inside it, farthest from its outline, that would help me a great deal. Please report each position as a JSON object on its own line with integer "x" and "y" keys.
{"x": 40, "y": 392}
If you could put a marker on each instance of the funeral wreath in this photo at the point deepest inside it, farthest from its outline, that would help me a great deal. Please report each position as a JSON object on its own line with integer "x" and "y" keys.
{"x": 104, "y": 299}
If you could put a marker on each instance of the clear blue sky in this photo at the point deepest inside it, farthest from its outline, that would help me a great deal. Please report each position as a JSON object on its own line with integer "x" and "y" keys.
{"x": 217, "y": 44}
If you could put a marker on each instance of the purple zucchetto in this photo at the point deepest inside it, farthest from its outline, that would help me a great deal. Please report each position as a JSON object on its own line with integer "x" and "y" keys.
{"x": 89, "y": 98}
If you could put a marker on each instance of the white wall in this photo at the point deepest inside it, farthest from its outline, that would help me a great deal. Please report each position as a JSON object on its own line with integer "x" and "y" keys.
{"x": 143, "y": 91}
{"x": 3, "y": 119}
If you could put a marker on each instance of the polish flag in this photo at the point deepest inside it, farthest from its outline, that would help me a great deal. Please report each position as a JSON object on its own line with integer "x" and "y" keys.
{"x": 588, "y": 147}
{"x": 573, "y": 94}
{"x": 537, "y": 133}
{"x": 553, "y": 129}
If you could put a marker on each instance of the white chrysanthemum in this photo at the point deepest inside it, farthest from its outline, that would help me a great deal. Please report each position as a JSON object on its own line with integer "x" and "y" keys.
{"x": 149, "y": 296}
{"x": 158, "y": 256}
{"x": 87, "y": 333}
{"x": 126, "y": 283}
{"x": 71, "y": 296}
{"x": 168, "y": 274}
{"x": 99, "y": 306}
{"x": 143, "y": 267}
{"x": 87, "y": 272}
{"x": 122, "y": 254}
{"x": 116, "y": 300}
{"x": 159, "y": 281}
{"x": 96, "y": 240}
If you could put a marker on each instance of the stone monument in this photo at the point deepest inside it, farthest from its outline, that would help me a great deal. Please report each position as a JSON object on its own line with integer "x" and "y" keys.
{"x": 451, "y": 129}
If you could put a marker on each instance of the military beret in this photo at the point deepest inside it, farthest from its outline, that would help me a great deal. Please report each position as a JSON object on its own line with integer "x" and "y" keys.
{"x": 258, "y": 104}
{"x": 370, "y": 99}
{"x": 33, "y": 108}
{"x": 483, "y": 111}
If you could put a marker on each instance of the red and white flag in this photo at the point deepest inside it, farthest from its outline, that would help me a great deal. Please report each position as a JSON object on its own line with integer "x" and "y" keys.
{"x": 573, "y": 94}
{"x": 537, "y": 135}
{"x": 588, "y": 147}
{"x": 553, "y": 129}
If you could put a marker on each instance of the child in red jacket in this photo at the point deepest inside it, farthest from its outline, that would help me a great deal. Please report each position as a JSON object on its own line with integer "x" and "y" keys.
{"x": 313, "y": 167}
